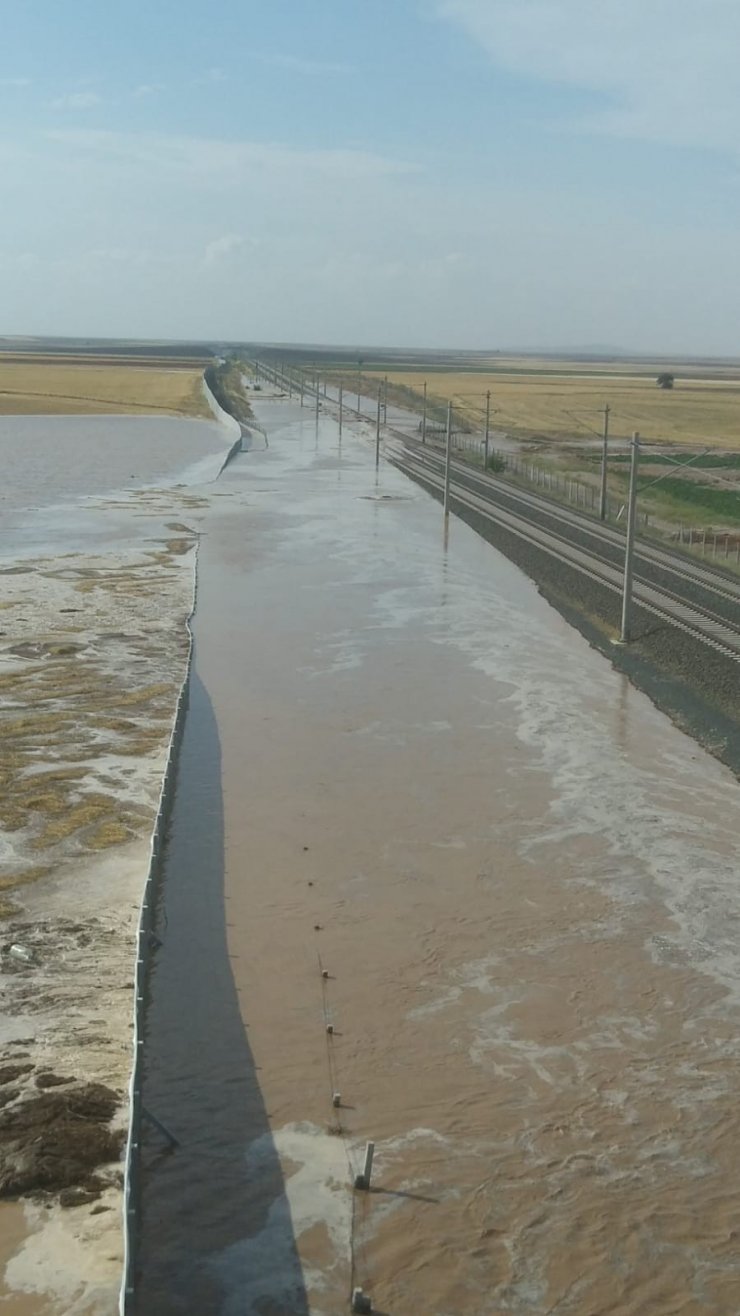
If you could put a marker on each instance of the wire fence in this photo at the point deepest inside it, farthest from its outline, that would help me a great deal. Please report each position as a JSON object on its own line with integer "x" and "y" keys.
{"x": 469, "y": 439}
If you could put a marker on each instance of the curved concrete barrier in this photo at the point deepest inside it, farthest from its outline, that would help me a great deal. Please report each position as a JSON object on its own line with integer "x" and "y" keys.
{"x": 223, "y": 417}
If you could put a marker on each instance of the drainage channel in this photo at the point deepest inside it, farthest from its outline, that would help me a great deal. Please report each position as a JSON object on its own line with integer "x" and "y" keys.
{"x": 200, "y": 1078}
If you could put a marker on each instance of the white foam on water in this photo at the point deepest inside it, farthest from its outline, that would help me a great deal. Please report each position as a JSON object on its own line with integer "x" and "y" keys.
{"x": 264, "y": 1268}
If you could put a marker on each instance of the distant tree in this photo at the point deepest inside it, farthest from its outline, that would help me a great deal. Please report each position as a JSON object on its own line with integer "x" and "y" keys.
{"x": 665, "y": 381}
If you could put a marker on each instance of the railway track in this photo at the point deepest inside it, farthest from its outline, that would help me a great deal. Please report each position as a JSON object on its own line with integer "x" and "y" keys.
{"x": 702, "y": 603}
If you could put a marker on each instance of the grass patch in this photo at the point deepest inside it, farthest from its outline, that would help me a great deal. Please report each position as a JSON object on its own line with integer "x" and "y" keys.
{"x": 226, "y": 382}
{"x": 708, "y": 461}
{"x": 143, "y": 696}
{"x": 10, "y": 881}
{"x": 74, "y": 819}
{"x": 107, "y": 834}
{"x": 686, "y": 497}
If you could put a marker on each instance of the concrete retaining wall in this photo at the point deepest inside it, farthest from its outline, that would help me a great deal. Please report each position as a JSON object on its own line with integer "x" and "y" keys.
{"x": 145, "y": 949}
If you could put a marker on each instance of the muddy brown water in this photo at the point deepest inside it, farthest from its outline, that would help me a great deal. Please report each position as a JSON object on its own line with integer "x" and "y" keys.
{"x": 403, "y": 768}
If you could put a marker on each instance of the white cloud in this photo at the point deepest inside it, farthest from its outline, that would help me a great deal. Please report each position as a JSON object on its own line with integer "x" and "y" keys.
{"x": 147, "y": 89}
{"x": 231, "y": 163}
{"x": 665, "y": 70}
{"x": 298, "y": 64}
{"x": 211, "y": 77}
{"x": 77, "y": 100}
{"x": 245, "y": 239}
{"x": 226, "y": 247}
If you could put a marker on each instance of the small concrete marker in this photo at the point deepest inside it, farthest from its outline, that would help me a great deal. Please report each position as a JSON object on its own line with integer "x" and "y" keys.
{"x": 330, "y": 1029}
{"x": 325, "y": 973}
{"x": 361, "y": 1302}
{"x": 336, "y": 1099}
{"x": 362, "y": 1181}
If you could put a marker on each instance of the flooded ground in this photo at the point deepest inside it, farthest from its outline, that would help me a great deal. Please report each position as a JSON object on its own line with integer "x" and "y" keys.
{"x": 50, "y": 461}
{"x": 403, "y": 770}
{"x": 95, "y": 590}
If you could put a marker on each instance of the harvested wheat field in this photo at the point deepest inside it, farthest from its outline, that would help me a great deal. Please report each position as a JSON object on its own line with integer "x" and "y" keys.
{"x": 557, "y": 401}
{"x": 50, "y": 385}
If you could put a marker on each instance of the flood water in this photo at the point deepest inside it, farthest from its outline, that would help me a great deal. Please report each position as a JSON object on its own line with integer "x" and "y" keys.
{"x": 403, "y": 769}
{"x": 49, "y": 462}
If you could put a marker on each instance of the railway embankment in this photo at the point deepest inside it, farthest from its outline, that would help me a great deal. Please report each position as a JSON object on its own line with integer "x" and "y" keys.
{"x": 696, "y": 684}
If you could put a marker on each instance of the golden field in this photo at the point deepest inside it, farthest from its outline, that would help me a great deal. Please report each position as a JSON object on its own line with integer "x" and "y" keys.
{"x": 50, "y": 385}
{"x": 566, "y": 401}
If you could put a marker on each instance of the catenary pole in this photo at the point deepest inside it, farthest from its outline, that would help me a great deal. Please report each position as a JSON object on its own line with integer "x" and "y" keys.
{"x": 602, "y": 497}
{"x": 448, "y": 458}
{"x": 630, "y": 542}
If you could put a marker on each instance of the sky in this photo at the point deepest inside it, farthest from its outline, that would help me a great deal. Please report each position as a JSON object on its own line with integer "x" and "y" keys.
{"x": 483, "y": 174}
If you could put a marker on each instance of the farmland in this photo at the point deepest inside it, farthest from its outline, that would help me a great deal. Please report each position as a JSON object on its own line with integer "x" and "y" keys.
{"x": 554, "y": 408}
{"x": 564, "y": 401}
{"x": 85, "y": 385}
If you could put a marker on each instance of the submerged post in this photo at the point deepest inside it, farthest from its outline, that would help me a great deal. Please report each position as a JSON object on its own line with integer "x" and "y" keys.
{"x": 377, "y": 429}
{"x": 488, "y": 428}
{"x": 341, "y": 392}
{"x": 602, "y": 497}
{"x": 424, "y": 416}
{"x": 448, "y": 456}
{"x": 317, "y": 397}
{"x": 630, "y": 542}
{"x": 362, "y": 1181}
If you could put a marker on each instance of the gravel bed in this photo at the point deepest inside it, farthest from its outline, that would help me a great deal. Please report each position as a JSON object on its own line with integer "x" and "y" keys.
{"x": 645, "y": 570}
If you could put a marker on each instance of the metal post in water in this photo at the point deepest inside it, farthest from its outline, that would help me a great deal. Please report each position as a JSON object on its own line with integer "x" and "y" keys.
{"x": 341, "y": 393}
{"x": 385, "y": 401}
{"x": 317, "y": 398}
{"x": 377, "y": 430}
{"x": 424, "y": 416}
{"x": 448, "y": 456}
{"x": 303, "y": 385}
{"x": 630, "y": 542}
{"x": 488, "y": 427}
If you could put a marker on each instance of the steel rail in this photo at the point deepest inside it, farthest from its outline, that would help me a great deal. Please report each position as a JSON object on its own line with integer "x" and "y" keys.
{"x": 700, "y": 623}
